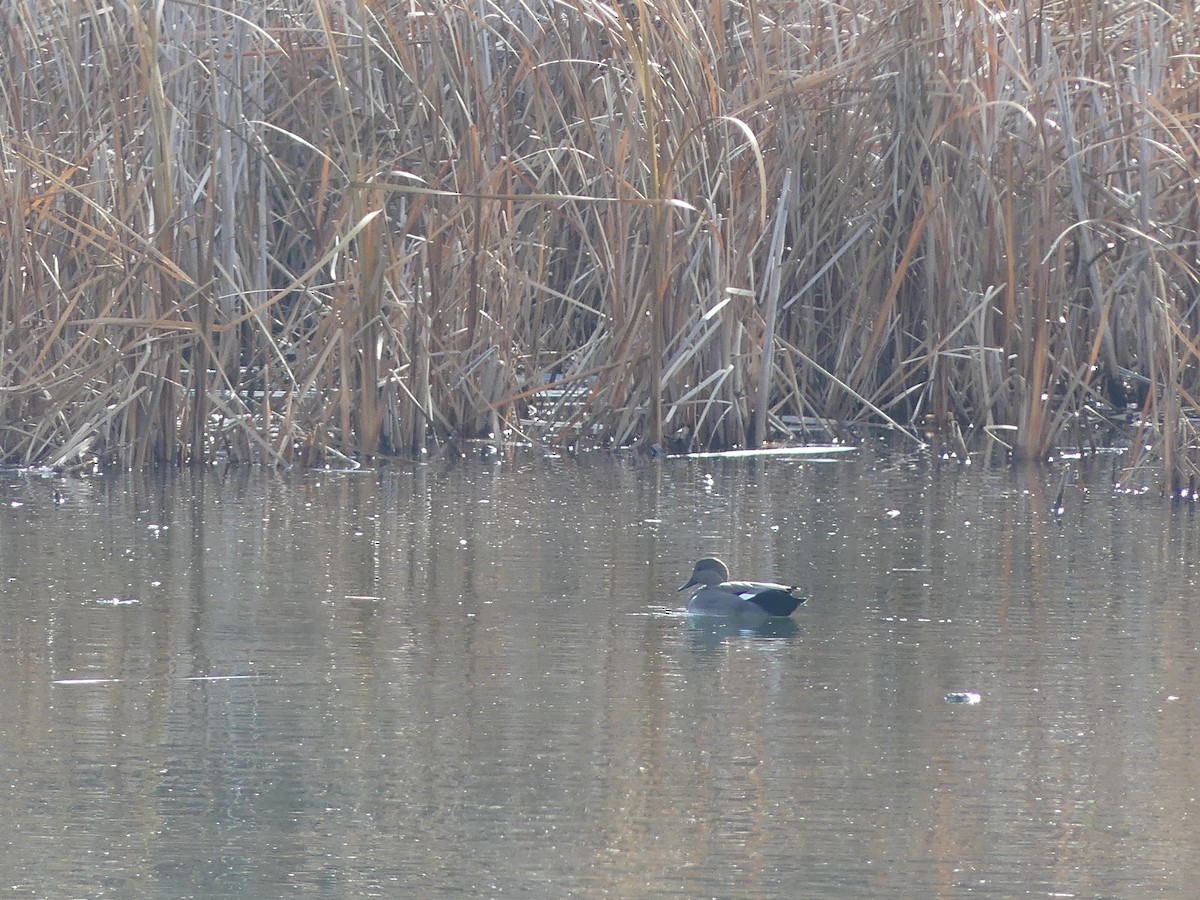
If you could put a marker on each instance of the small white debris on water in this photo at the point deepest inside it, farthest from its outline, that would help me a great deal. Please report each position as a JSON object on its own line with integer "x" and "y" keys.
{"x": 968, "y": 697}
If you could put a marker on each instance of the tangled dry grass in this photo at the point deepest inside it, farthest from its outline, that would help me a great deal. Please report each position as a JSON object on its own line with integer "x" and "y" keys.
{"x": 279, "y": 230}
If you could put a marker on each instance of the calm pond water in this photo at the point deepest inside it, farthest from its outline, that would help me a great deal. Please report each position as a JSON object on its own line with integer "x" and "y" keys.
{"x": 470, "y": 681}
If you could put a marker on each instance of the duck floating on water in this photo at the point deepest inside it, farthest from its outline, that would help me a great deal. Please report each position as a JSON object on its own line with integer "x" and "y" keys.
{"x": 718, "y": 596}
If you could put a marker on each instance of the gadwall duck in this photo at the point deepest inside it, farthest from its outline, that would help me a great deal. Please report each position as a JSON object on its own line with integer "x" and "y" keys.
{"x": 718, "y": 596}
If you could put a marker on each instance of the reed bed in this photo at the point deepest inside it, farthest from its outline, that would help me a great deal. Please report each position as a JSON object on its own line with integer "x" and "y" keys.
{"x": 295, "y": 230}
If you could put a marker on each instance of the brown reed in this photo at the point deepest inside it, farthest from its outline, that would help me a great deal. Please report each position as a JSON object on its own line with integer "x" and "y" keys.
{"x": 279, "y": 232}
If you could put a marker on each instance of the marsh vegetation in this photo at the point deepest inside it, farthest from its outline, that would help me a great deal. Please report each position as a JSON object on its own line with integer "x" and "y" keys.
{"x": 278, "y": 231}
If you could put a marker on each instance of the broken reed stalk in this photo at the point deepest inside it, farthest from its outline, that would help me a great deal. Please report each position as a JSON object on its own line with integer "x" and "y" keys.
{"x": 771, "y": 304}
{"x": 372, "y": 228}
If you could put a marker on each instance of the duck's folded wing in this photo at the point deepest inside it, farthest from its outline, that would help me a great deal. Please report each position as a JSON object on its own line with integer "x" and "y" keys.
{"x": 774, "y": 599}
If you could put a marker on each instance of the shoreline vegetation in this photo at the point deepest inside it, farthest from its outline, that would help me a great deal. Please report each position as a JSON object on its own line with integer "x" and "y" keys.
{"x": 276, "y": 232}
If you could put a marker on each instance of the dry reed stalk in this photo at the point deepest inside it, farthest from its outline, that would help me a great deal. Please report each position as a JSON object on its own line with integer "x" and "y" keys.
{"x": 771, "y": 302}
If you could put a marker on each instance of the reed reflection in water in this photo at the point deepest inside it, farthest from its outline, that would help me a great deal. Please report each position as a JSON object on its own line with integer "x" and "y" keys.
{"x": 473, "y": 681}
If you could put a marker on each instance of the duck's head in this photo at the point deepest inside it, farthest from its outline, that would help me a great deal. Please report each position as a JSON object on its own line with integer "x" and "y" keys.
{"x": 707, "y": 571}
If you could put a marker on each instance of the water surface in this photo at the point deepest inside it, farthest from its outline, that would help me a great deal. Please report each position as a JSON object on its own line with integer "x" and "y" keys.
{"x": 470, "y": 680}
